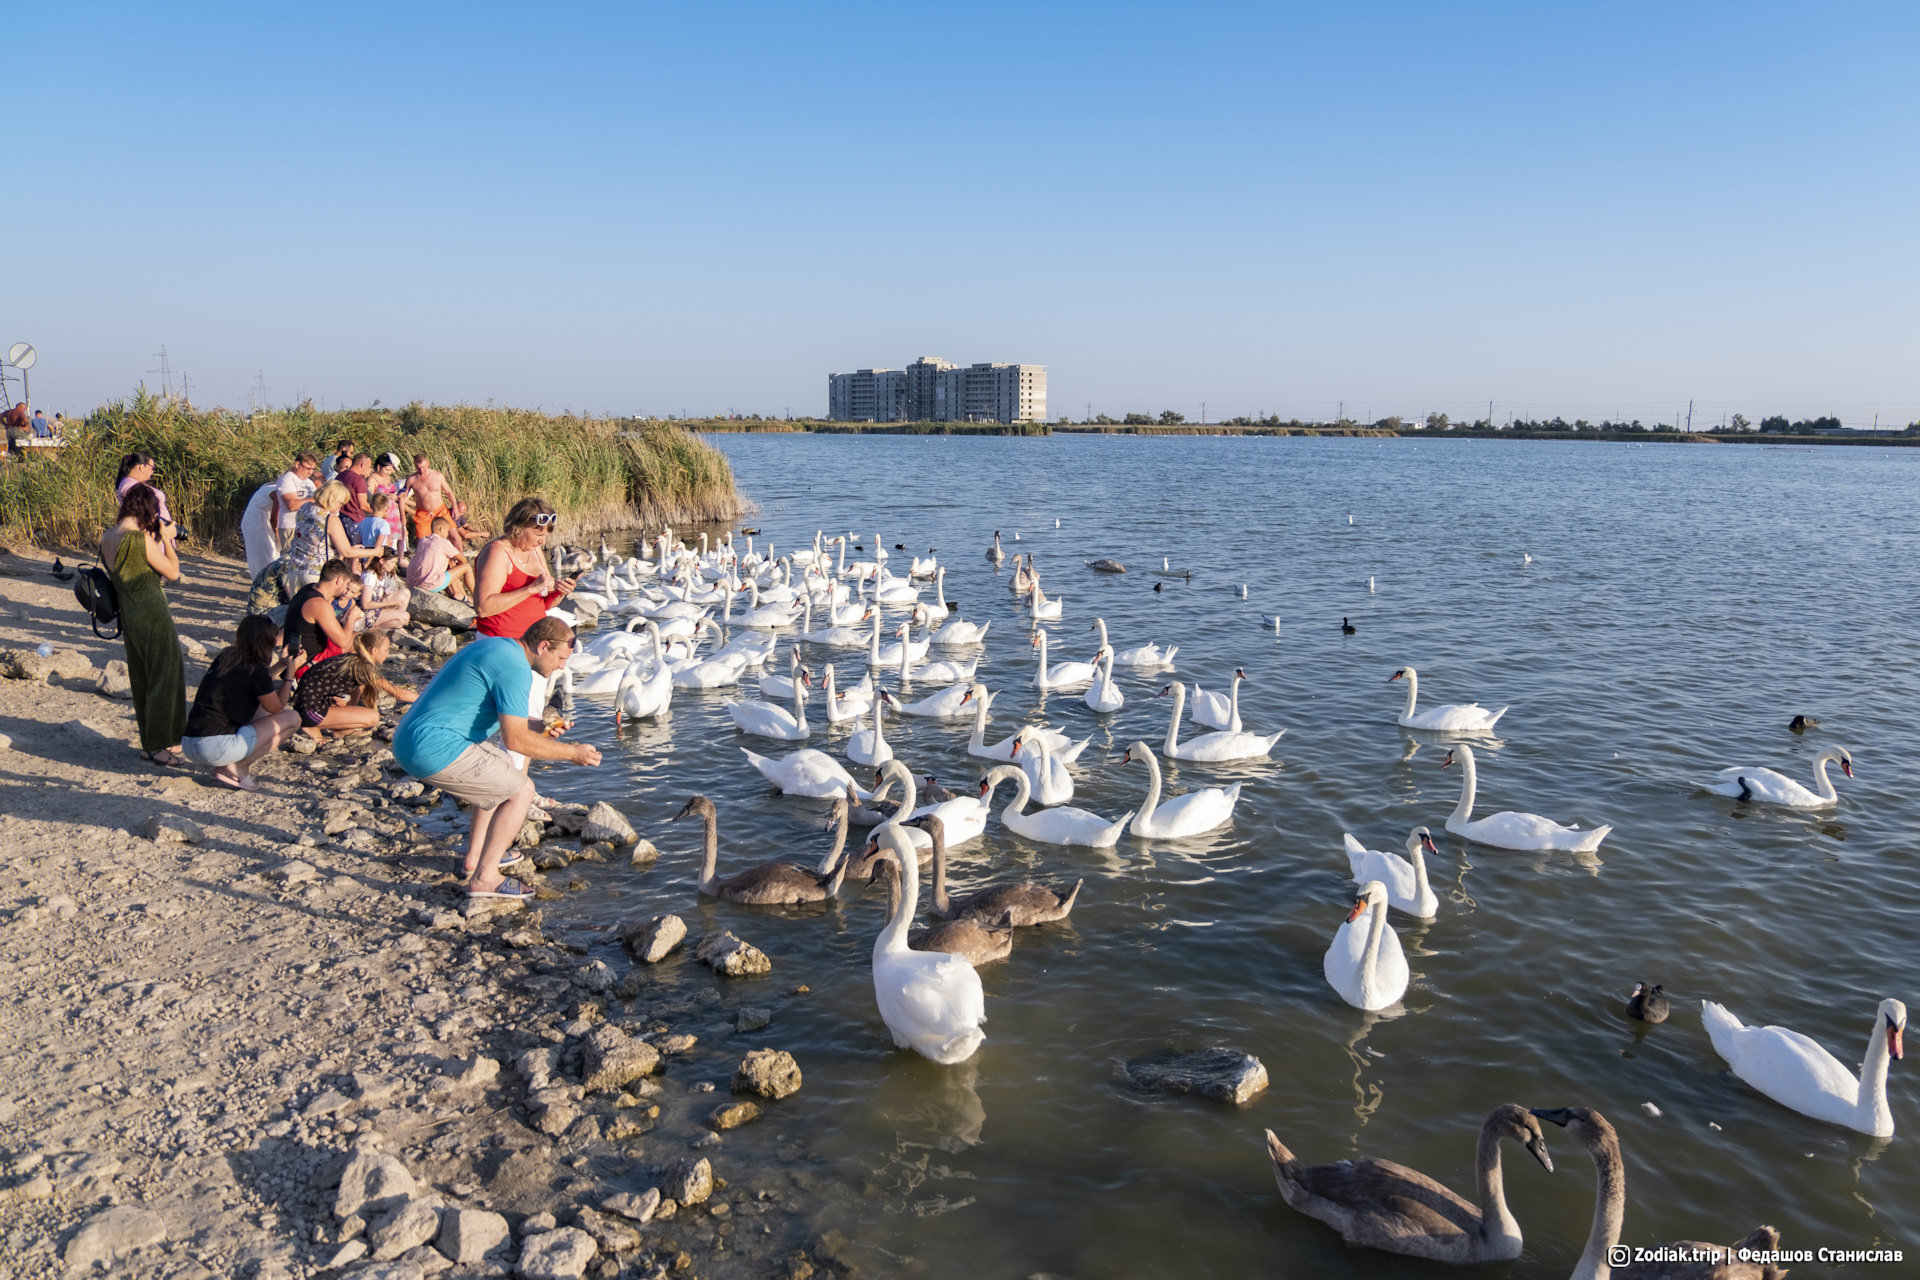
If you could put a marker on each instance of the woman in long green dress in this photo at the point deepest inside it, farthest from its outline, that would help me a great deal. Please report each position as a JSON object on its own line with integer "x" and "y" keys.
{"x": 138, "y": 555}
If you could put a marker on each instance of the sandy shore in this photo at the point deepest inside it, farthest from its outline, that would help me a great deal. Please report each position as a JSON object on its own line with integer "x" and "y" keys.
{"x": 257, "y": 1035}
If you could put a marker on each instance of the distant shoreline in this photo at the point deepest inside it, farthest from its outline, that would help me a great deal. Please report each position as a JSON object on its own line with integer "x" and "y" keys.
{"x": 725, "y": 426}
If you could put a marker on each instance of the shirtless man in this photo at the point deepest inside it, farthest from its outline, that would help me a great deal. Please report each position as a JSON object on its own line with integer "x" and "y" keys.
{"x": 432, "y": 496}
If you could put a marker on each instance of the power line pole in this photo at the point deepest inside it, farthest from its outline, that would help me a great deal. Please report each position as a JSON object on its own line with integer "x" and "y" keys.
{"x": 165, "y": 371}
{"x": 1689, "y": 415}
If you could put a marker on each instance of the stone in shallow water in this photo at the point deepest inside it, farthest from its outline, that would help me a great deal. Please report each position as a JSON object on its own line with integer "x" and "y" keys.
{"x": 1225, "y": 1075}
{"x": 651, "y": 940}
{"x": 726, "y": 954}
{"x": 688, "y": 1181}
{"x": 771, "y": 1073}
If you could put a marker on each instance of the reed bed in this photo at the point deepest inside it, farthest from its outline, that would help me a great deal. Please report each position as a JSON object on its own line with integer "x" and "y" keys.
{"x": 598, "y": 474}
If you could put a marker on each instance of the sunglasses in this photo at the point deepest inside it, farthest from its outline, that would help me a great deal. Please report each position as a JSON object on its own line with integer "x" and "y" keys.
{"x": 544, "y": 521}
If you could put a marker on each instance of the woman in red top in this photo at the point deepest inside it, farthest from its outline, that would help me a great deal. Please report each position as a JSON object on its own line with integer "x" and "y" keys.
{"x": 513, "y": 588}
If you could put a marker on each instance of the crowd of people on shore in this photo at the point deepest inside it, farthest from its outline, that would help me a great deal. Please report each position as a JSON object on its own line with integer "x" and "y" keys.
{"x": 309, "y": 656}
{"x": 22, "y": 422}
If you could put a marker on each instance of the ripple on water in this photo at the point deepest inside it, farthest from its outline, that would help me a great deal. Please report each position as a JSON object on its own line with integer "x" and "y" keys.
{"x": 1677, "y": 613}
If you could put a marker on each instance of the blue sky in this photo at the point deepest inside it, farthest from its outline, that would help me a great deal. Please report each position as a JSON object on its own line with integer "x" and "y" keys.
{"x": 1595, "y": 211}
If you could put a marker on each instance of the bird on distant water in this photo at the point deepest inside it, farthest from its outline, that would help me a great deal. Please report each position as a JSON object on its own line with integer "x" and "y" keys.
{"x": 1157, "y": 586}
{"x": 1346, "y": 628}
{"x": 61, "y": 572}
{"x": 1800, "y": 724}
{"x": 1648, "y": 1004}
{"x": 1104, "y": 565}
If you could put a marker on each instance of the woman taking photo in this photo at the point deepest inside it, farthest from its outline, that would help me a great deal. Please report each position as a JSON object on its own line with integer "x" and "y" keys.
{"x": 514, "y": 589}
{"x": 240, "y": 712}
{"x": 319, "y": 535}
{"x": 137, "y": 557}
{"x": 137, "y": 468}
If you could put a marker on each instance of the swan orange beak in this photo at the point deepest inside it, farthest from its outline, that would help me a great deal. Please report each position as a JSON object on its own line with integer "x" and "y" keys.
{"x": 1846, "y": 767}
{"x": 1359, "y": 909}
{"x": 1014, "y": 750}
{"x": 983, "y": 788}
{"x": 1426, "y": 842}
{"x": 1896, "y": 1041}
{"x": 1447, "y": 761}
{"x": 1127, "y": 756}
{"x": 1395, "y": 676}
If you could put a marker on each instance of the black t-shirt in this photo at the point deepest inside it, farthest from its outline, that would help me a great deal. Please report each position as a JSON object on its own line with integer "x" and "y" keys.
{"x": 307, "y": 634}
{"x": 227, "y": 700}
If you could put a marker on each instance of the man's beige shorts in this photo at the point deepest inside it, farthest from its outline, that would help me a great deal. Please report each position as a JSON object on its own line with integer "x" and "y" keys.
{"x": 483, "y": 775}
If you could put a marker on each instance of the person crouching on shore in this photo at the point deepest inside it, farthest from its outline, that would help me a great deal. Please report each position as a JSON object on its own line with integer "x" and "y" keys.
{"x": 241, "y": 711}
{"x": 444, "y": 741}
{"x": 342, "y": 694}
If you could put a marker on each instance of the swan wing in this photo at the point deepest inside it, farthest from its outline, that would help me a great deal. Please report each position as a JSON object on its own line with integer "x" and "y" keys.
{"x": 1342, "y": 963}
{"x": 1391, "y": 870}
{"x": 1528, "y": 831}
{"x": 1226, "y": 745}
{"x": 1195, "y": 812}
{"x": 1792, "y": 1069}
{"x": 1456, "y": 716}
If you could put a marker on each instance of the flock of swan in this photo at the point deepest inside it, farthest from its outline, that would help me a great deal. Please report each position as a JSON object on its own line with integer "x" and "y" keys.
{"x": 926, "y": 987}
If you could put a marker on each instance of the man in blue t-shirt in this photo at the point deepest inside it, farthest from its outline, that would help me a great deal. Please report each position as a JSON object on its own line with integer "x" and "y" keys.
{"x": 443, "y": 741}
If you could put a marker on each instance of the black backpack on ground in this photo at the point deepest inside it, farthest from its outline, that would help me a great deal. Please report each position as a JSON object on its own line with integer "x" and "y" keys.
{"x": 95, "y": 592}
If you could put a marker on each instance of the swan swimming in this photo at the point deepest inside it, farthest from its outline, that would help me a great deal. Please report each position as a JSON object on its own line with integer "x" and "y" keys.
{"x": 1796, "y": 1072}
{"x": 1187, "y": 815}
{"x": 1453, "y": 717}
{"x": 1405, "y": 878}
{"x": 1365, "y": 963}
{"x": 1764, "y": 786}
{"x": 1210, "y": 748}
{"x": 1510, "y": 830}
{"x": 931, "y": 1001}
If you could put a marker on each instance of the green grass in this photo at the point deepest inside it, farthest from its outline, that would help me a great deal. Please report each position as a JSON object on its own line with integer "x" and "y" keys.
{"x": 596, "y": 473}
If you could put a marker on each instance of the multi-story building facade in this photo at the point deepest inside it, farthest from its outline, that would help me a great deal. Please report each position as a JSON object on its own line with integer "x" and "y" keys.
{"x": 933, "y": 390}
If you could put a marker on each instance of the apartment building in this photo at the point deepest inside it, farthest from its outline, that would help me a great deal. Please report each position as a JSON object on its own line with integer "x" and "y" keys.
{"x": 935, "y": 390}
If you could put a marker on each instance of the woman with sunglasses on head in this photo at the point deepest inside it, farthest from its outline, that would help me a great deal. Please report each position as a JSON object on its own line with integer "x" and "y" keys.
{"x": 514, "y": 590}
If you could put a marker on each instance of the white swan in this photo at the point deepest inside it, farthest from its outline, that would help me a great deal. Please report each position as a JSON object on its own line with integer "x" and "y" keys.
{"x": 942, "y": 671}
{"x": 939, "y": 609}
{"x": 1210, "y": 748}
{"x": 644, "y": 695}
{"x": 1141, "y": 655}
{"x": 964, "y": 817}
{"x": 771, "y": 618}
{"x": 772, "y": 686}
{"x": 806, "y": 772}
{"x": 1066, "y": 750}
{"x": 869, "y": 746}
{"x": 1215, "y": 711}
{"x": 1365, "y": 963}
{"x": 880, "y": 657}
{"x": 1064, "y": 675}
{"x": 1511, "y": 830}
{"x": 957, "y": 632}
{"x": 1405, "y": 881}
{"x": 1453, "y": 717}
{"x": 1186, "y": 815}
{"x": 931, "y": 1001}
{"x": 1796, "y": 1072}
{"x": 1043, "y": 609}
{"x": 834, "y": 637}
{"x": 1764, "y": 786}
{"x": 1076, "y": 828}
{"x": 1104, "y": 695}
{"x": 1051, "y": 782}
{"x": 944, "y": 705}
{"x": 765, "y": 720}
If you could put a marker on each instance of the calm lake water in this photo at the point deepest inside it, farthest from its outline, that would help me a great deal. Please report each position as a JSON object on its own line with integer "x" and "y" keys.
{"x": 1682, "y": 605}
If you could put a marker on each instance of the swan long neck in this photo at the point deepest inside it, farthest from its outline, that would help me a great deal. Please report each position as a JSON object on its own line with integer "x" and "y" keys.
{"x": 979, "y": 738}
{"x": 1022, "y": 789}
{"x": 1233, "y": 706}
{"x": 1469, "y": 784}
{"x": 1823, "y": 785}
{"x": 1153, "y": 789}
{"x": 879, "y": 730}
{"x": 1609, "y": 1211}
{"x": 710, "y": 865}
{"x": 1872, "y": 1108}
{"x": 1495, "y": 1218}
{"x": 1043, "y": 658}
{"x": 894, "y": 937}
{"x": 906, "y": 654}
{"x": 799, "y": 702}
{"x": 1173, "y": 725}
{"x": 941, "y": 903}
{"x": 1102, "y": 624}
{"x": 1376, "y": 932}
{"x": 940, "y": 588}
{"x": 839, "y": 844}
{"x": 1421, "y": 889}
{"x": 1413, "y": 691}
